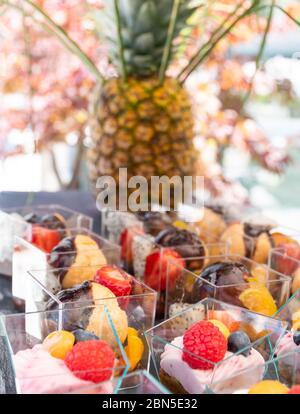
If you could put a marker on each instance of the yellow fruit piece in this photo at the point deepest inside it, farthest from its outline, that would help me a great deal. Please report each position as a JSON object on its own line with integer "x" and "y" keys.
{"x": 132, "y": 332}
{"x": 59, "y": 343}
{"x": 260, "y": 274}
{"x": 296, "y": 326}
{"x": 296, "y": 316}
{"x": 134, "y": 351}
{"x": 258, "y": 299}
{"x": 223, "y": 328}
{"x": 180, "y": 225}
{"x": 269, "y": 387}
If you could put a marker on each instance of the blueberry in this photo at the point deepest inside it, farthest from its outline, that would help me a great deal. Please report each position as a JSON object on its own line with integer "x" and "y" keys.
{"x": 81, "y": 335}
{"x": 237, "y": 341}
{"x": 296, "y": 337}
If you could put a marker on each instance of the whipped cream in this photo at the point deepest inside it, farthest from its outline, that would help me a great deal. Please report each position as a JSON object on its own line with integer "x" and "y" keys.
{"x": 234, "y": 372}
{"x": 37, "y": 372}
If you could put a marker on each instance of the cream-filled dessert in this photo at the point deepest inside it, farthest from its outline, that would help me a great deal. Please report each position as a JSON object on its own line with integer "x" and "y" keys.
{"x": 209, "y": 357}
{"x": 66, "y": 363}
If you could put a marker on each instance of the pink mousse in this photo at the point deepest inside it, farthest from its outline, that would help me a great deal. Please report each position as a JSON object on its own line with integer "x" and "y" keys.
{"x": 233, "y": 373}
{"x": 37, "y": 372}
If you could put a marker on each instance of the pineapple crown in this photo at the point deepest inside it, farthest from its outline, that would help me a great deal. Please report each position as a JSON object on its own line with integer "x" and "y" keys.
{"x": 144, "y": 29}
{"x": 141, "y": 33}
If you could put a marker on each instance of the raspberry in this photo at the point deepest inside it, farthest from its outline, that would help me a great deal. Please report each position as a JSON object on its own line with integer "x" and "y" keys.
{"x": 294, "y": 390}
{"x": 91, "y": 360}
{"x": 115, "y": 279}
{"x": 203, "y": 340}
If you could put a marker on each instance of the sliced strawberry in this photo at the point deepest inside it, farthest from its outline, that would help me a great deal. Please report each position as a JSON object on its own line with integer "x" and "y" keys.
{"x": 162, "y": 265}
{"x": 45, "y": 239}
{"x": 288, "y": 258}
{"x": 115, "y": 279}
{"x": 126, "y": 240}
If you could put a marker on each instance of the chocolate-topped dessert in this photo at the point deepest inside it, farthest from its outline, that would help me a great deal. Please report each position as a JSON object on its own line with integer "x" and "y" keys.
{"x": 50, "y": 221}
{"x": 91, "y": 319}
{"x": 72, "y": 257}
{"x": 186, "y": 243}
{"x": 154, "y": 221}
{"x": 230, "y": 274}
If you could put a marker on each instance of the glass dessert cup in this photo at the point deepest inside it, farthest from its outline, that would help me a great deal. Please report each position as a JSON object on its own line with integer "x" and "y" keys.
{"x": 21, "y": 221}
{"x": 132, "y": 313}
{"x": 34, "y": 356}
{"x": 256, "y": 237}
{"x": 290, "y": 311}
{"x": 141, "y": 382}
{"x": 232, "y": 279}
{"x": 286, "y": 259}
{"x": 151, "y": 262}
{"x": 83, "y": 248}
{"x": 167, "y": 347}
{"x": 281, "y": 375}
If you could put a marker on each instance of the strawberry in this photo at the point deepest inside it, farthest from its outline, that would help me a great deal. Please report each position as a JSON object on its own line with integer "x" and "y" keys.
{"x": 126, "y": 240}
{"x": 91, "y": 360}
{"x": 163, "y": 265}
{"x": 288, "y": 258}
{"x": 115, "y": 279}
{"x": 45, "y": 239}
{"x": 294, "y": 390}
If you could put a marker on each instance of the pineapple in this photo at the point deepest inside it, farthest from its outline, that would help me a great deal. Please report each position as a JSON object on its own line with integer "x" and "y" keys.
{"x": 143, "y": 121}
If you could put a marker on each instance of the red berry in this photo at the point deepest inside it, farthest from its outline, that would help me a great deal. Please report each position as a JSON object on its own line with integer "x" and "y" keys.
{"x": 294, "y": 390}
{"x": 163, "y": 267}
{"x": 115, "y": 279}
{"x": 45, "y": 239}
{"x": 91, "y": 360}
{"x": 287, "y": 258}
{"x": 203, "y": 340}
{"x": 126, "y": 240}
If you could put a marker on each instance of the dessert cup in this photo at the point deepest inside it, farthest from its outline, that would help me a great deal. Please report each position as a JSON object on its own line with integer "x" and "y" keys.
{"x": 232, "y": 279}
{"x": 167, "y": 348}
{"x": 286, "y": 259}
{"x": 256, "y": 237}
{"x": 290, "y": 313}
{"x": 141, "y": 382}
{"x": 150, "y": 258}
{"x": 77, "y": 247}
{"x": 31, "y": 365}
{"x": 20, "y": 222}
{"x": 135, "y": 310}
{"x": 283, "y": 371}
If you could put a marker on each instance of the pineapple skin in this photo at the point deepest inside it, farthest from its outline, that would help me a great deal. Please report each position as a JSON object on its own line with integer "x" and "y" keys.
{"x": 144, "y": 126}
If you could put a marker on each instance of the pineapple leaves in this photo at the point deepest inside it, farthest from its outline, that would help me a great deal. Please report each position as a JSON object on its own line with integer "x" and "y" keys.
{"x": 261, "y": 51}
{"x": 221, "y": 32}
{"x": 170, "y": 37}
{"x": 120, "y": 40}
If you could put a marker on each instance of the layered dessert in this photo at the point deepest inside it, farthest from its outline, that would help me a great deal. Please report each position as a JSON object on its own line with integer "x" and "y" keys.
{"x": 213, "y": 223}
{"x": 110, "y": 286}
{"x": 66, "y": 257}
{"x": 47, "y": 230}
{"x": 286, "y": 259}
{"x": 289, "y": 348}
{"x": 254, "y": 238}
{"x": 209, "y": 352}
{"x": 66, "y": 362}
{"x": 237, "y": 282}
